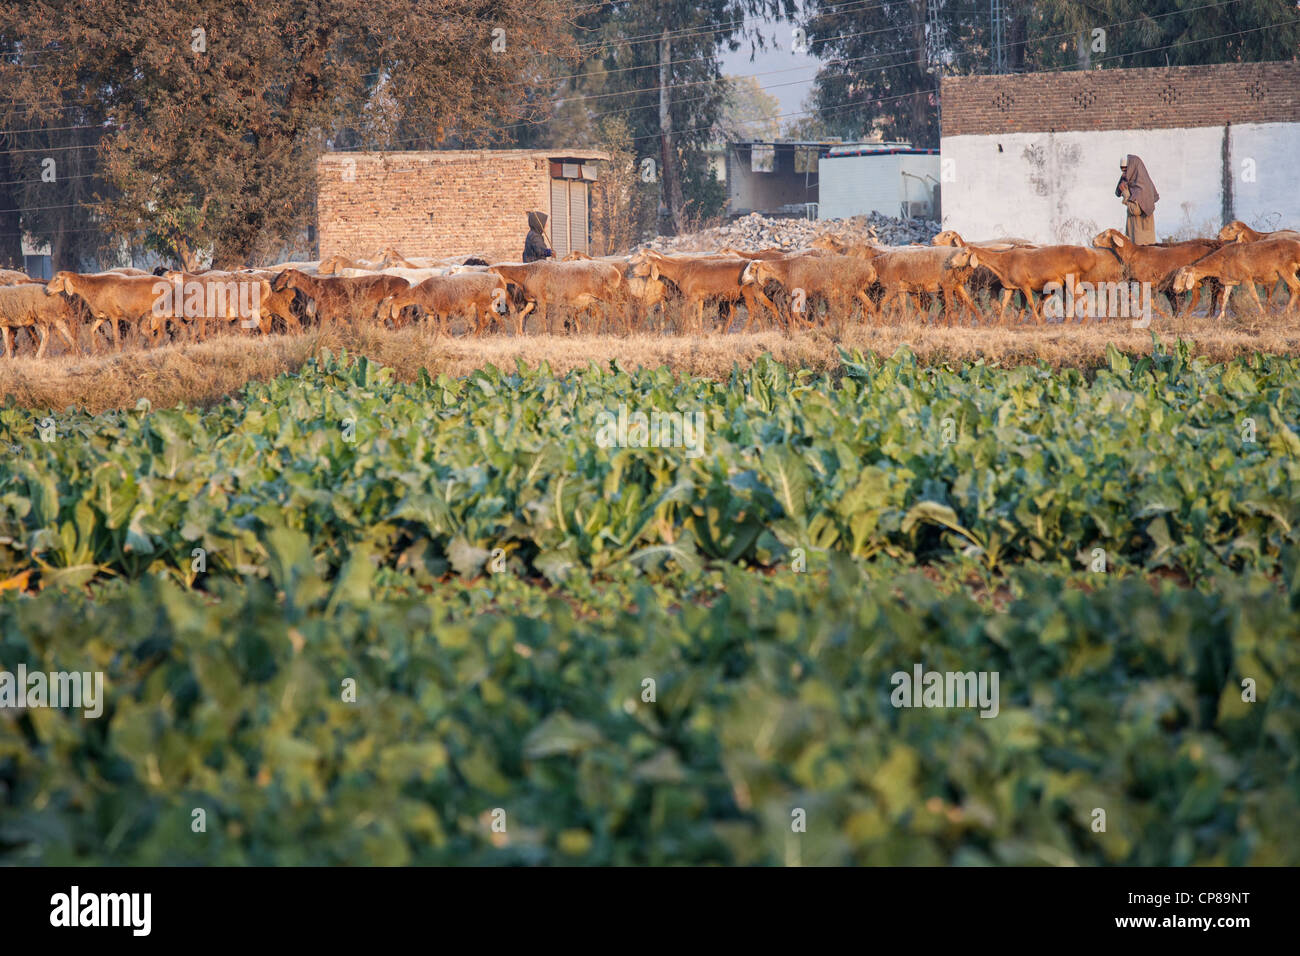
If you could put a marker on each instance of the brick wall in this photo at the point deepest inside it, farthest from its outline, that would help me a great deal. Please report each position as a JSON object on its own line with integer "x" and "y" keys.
{"x": 1151, "y": 98}
{"x": 431, "y": 203}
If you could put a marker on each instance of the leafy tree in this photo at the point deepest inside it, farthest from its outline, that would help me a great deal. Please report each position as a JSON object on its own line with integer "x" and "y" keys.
{"x": 624, "y": 44}
{"x": 1156, "y": 32}
{"x": 881, "y": 58}
{"x": 214, "y": 114}
{"x": 748, "y": 112}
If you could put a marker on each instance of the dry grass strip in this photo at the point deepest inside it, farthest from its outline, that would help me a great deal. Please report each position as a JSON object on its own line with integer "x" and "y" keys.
{"x": 200, "y": 374}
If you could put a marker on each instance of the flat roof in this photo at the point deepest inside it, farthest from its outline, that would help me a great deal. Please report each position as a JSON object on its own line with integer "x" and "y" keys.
{"x": 879, "y": 150}
{"x": 434, "y": 155}
{"x": 787, "y": 142}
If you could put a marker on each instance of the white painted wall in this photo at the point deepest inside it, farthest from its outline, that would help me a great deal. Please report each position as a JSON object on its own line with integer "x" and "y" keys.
{"x": 1060, "y": 187}
{"x": 858, "y": 185}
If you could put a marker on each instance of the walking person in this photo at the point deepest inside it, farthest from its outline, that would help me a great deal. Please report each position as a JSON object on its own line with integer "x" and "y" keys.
{"x": 535, "y": 245}
{"x": 1139, "y": 195}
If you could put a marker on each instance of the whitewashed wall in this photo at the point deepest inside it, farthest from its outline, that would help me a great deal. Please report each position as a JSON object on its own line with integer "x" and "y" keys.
{"x": 858, "y": 185}
{"x": 1060, "y": 187}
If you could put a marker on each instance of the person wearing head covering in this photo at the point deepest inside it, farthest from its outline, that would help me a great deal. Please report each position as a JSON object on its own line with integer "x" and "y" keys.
{"x": 1139, "y": 195}
{"x": 535, "y": 245}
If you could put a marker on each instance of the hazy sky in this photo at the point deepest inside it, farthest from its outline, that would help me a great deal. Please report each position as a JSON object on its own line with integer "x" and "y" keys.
{"x": 782, "y": 73}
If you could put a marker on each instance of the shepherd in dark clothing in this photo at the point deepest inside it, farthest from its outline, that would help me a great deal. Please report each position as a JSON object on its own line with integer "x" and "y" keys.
{"x": 535, "y": 245}
{"x": 1139, "y": 194}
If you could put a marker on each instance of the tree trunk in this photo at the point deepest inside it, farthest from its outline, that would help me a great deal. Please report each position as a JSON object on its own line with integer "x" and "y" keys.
{"x": 59, "y": 250}
{"x": 11, "y": 240}
{"x": 670, "y": 179}
{"x": 921, "y": 83}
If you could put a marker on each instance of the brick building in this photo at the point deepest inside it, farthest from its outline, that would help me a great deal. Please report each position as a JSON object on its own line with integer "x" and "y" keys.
{"x": 1037, "y": 155}
{"x": 450, "y": 202}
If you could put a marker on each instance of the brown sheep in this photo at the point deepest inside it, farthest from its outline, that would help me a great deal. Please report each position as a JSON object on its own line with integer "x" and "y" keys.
{"x": 334, "y": 299}
{"x": 644, "y": 294}
{"x": 217, "y": 297}
{"x": 1246, "y": 263}
{"x": 841, "y": 247}
{"x": 833, "y": 279}
{"x": 702, "y": 279}
{"x": 334, "y": 264}
{"x": 760, "y": 254}
{"x": 1238, "y": 231}
{"x": 582, "y": 286}
{"x": 10, "y": 277}
{"x": 1029, "y": 270}
{"x": 115, "y": 298}
{"x": 29, "y": 306}
{"x": 474, "y": 295}
{"x": 125, "y": 271}
{"x": 905, "y": 272}
{"x": 950, "y": 237}
{"x": 1156, "y": 264}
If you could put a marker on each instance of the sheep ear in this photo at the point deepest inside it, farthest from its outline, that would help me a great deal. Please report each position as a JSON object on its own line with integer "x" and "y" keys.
{"x": 654, "y": 269}
{"x": 974, "y": 259}
{"x": 1119, "y": 242}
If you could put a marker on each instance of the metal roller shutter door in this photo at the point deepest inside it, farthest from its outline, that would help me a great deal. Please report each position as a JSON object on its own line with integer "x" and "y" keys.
{"x": 559, "y": 224}
{"x": 578, "y": 216}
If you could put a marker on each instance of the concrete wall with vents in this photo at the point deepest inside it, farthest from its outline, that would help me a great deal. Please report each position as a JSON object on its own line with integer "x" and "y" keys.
{"x": 1037, "y": 155}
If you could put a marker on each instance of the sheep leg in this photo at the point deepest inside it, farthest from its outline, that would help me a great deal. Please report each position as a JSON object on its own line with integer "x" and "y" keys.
{"x": 9, "y": 341}
{"x": 947, "y": 296}
{"x": 966, "y": 301}
{"x": 529, "y": 306}
{"x": 1034, "y": 306}
{"x": 1293, "y": 286}
{"x": 1223, "y": 308}
{"x": 888, "y": 304}
{"x": 867, "y": 305}
{"x": 1007, "y": 292}
{"x": 1254, "y": 294}
{"x": 750, "y": 305}
{"x": 749, "y": 308}
{"x": 767, "y": 304}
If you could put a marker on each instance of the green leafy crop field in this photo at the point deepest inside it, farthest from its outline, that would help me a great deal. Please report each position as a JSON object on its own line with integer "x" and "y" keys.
{"x": 345, "y": 619}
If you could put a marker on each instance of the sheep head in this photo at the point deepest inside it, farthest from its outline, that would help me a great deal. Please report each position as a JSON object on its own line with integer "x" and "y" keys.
{"x": 1234, "y": 231}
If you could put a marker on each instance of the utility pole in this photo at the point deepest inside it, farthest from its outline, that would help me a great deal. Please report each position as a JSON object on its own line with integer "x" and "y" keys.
{"x": 934, "y": 47}
{"x": 670, "y": 180}
{"x": 997, "y": 45}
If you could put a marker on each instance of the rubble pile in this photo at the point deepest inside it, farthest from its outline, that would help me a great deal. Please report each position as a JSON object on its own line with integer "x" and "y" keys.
{"x": 755, "y": 231}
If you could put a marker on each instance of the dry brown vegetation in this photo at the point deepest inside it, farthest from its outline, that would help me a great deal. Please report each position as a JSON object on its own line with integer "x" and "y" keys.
{"x": 206, "y": 372}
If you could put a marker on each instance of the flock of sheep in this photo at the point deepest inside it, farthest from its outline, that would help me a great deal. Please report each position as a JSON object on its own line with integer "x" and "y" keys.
{"x": 784, "y": 288}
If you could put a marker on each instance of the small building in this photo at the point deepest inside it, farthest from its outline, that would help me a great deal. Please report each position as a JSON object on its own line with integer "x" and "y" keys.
{"x": 772, "y": 177}
{"x": 1037, "y": 155}
{"x": 831, "y": 180}
{"x": 450, "y": 202}
{"x": 893, "y": 179}
{"x": 36, "y": 259}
